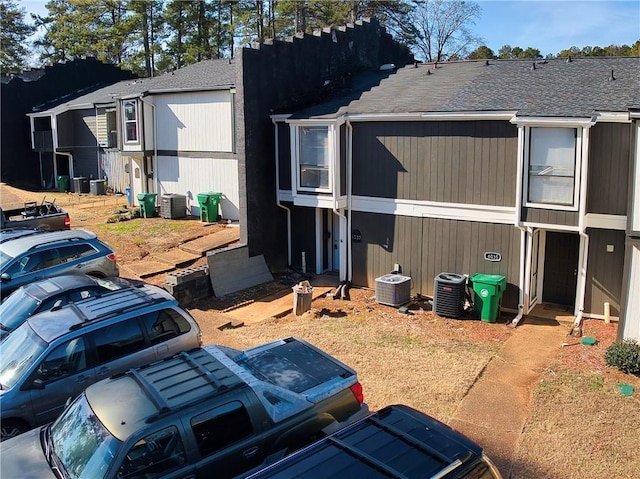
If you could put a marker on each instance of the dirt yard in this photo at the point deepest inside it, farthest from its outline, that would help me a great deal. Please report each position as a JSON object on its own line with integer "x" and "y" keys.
{"x": 580, "y": 425}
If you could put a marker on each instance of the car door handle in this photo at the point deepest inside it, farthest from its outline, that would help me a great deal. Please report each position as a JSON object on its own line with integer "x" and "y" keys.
{"x": 103, "y": 371}
{"x": 251, "y": 452}
{"x": 82, "y": 378}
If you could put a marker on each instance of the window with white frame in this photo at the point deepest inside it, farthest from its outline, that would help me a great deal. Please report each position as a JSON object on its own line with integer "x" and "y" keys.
{"x": 314, "y": 158}
{"x": 553, "y": 166}
{"x": 130, "y": 109}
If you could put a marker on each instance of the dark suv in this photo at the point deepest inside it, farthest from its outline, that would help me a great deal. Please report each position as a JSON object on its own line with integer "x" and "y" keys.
{"x": 30, "y": 255}
{"x": 55, "y": 355}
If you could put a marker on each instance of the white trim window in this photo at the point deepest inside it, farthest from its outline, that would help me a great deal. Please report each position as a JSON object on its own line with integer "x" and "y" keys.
{"x": 553, "y": 163}
{"x": 130, "y": 119}
{"x": 314, "y": 158}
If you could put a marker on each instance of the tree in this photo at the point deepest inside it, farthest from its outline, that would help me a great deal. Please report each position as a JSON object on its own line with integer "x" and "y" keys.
{"x": 442, "y": 28}
{"x": 14, "y": 33}
{"x": 482, "y": 52}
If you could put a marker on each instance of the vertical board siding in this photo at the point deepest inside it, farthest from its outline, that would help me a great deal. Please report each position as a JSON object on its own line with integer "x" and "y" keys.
{"x": 199, "y": 121}
{"x": 190, "y": 176}
{"x": 453, "y": 162}
{"x": 609, "y": 171}
{"x": 426, "y": 247}
{"x": 549, "y": 217}
{"x": 284, "y": 155}
{"x": 604, "y": 271}
{"x": 113, "y": 166}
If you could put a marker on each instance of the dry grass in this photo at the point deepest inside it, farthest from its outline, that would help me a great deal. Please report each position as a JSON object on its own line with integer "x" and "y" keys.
{"x": 579, "y": 425}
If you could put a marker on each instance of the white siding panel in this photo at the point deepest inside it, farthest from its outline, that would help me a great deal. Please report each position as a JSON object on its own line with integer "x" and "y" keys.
{"x": 190, "y": 176}
{"x": 199, "y": 121}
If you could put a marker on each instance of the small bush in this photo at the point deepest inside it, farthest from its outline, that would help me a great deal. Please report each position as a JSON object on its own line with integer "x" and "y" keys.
{"x": 625, "y": 356}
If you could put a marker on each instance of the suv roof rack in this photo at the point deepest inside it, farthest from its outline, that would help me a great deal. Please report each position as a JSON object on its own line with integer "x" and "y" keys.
{"x": 116, "y": 302}
{"x": 196, "y": 376}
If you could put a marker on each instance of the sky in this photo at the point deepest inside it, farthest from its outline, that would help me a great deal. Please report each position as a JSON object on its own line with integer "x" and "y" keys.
{"x": 550, "y": 25}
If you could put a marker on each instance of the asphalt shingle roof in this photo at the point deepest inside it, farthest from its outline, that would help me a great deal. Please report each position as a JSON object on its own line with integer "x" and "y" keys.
{"x": 553, "y": 88}
{"x": 205, "y": 75}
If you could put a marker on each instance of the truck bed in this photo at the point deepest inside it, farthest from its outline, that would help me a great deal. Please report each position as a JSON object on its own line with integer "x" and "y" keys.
{"x": 288, "y": 375}
{"x": 396, "y": 442}
{"x": 46, "y": 215}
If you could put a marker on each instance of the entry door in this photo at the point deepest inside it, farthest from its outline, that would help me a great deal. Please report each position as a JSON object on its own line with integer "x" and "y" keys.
{"x": 561, "y": 268}
{"x": 533, "y": 279}
{"x": 336, "y": 242}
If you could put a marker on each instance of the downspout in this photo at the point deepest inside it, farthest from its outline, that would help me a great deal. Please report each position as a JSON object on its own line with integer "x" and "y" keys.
{"x": 517, "y": 224}
{"x": 336, "y": 182}
{"x": 584, "y": 244}
{"x": 278, "y": 202}
{"x": 95, "y": 108}
{"x": 155, "y": 142}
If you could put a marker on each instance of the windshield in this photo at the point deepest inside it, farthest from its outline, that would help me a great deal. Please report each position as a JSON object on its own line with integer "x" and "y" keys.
{"x": 83, "y": 445}
{"x": 16, "y": 308}
{"x": 17, "y": 353}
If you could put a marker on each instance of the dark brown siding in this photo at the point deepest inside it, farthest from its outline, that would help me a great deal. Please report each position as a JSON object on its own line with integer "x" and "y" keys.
{"x": 607, "y": 188}
{"x": 426, "y": 247}
{"x": 342, "y": 161}
{"x": 303, "y": 234}
{"x": 284, "y": 155}
{"x": 549, "y": 217}
{"x": 604, "y": 271}
{"x": 472, "y": 162}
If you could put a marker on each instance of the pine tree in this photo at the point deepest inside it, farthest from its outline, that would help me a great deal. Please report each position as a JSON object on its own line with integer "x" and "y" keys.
{"x": 14, "y": 32}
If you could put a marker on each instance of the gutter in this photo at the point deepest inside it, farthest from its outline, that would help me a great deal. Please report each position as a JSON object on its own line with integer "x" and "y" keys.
{"x": 155, "y": 140}
{"x": 278, "y": 202}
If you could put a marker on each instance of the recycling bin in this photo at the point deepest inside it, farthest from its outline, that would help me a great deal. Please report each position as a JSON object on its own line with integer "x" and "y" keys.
{"x": 488, "y": 290}
{"x": 127, "y": 192}
{"x": 147, "y": 204}
{"x": 63, "y": 183}
{"x": 209, "y": 203}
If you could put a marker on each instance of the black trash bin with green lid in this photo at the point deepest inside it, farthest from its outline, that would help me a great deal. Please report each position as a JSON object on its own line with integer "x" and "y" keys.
{"x": 488, "y": 289}
{"x": 209, "y": 203}
{"x": 147, "y": 204}
{"x": 63, "y": 183}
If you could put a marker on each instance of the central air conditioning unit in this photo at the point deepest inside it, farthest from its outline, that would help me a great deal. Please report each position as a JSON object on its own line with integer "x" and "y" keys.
{"x": 448, "y": 295}
{"x": 173, "y": 206}
{"x": 393, "y": 289}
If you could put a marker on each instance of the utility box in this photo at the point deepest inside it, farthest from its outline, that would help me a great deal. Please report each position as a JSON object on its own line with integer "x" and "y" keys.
{"x": 80, "y": 184}
{"x": 448, "y": 294}
{"x": 173, "y": 206}
{"x": 393, "y": 289}
{"x": 97, "y": 187}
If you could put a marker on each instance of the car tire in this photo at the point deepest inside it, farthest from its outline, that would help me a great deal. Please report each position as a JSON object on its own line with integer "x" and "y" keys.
{"x": 11, "y": 428}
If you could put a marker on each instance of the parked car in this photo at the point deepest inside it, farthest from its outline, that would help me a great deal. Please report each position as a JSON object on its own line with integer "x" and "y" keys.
{"x": 51, "y": 293}
{"x": 395, "y": 442}
{"x": 55, "y": 355}
{"x": 29, "y": 255}
{"x": 210, "y": 412}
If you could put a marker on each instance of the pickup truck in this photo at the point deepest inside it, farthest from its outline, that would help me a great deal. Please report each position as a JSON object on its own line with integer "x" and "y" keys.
{"x": 395, "y": 442}
{"x": 208, "y": 412}
{"x": 45, "y": 216}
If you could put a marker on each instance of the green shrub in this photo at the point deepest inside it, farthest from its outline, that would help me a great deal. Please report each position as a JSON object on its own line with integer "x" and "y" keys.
{"x": 625, "y": 356}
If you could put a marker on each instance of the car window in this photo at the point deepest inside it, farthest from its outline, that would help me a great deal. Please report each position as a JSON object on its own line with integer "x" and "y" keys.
{"x": 165, "y": 324}
{"x": 84, "y": 249}
{"x": 118, "y": 340}
{"x": 217, "y": 429}
{"x": 25, "y": 265}
{"x": 154, "y": 455}
{"x": 66, "y": 359}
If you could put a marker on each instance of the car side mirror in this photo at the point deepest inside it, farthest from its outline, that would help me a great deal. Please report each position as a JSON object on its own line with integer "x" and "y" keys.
{"x": 5, "y": 277}
{"x": 37, "y": 384}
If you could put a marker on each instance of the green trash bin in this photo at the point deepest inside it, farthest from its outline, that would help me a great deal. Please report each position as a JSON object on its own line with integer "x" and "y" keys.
{"x": 209, "y": 204}
{"x": 488, "y": 289}
{"x": 147, "y": 204}
{"x": 63, "y": 183}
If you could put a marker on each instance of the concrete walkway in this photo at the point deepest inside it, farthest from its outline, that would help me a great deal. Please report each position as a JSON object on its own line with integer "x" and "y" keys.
{"x": 496, "y": 408}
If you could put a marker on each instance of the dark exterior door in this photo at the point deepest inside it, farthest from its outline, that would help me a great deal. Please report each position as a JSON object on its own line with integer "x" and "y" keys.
{"x": 561, "y": 268}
